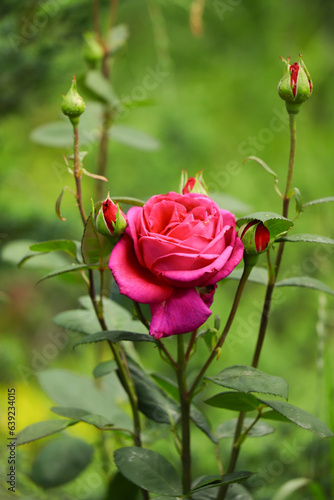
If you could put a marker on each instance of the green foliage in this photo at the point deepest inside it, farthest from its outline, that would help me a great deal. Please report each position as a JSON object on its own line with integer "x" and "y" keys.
{"x": 61, "y": 461}
{"x": 149, "y": 470}
{"x": 227, "y": 428}
{"x": 116, "y": 336}
{"x": 40, "y": 430}
{"x": 248, "y": 379}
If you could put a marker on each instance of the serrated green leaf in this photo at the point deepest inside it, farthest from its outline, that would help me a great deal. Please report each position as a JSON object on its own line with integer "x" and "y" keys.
{"x": 258, "y": 275}
{"x": 227, "y": 428}
{"x": 40, "y": 430}
{"x": 328, "y": 199}
{"x": 149, "y": 470}
{"x": 115, "y": 336}
{"x": 273, "y": 415}
{"x": 276, "y": 224}
{"x": 306, "y": 282}
{"x": 300, "y": 417}
{"x": 263, "y": 165}
{"x": 202, "y": 423}
{"x": 69, "y": 246}
{"x": 152, "y": 400}
{"x": 104, "y": 368}
{"x": 67, "y": 269}
{"x": 61, "y": 461}
{"x": 82, "y": 415}
{"x": 72, "y": 247}
{"x": 244, "y": 378}
{"x": 134, "y": 138}
{"x": 307, "y": 238}
{"x": 237, "y": 401}
{"x": 215, "y": 481}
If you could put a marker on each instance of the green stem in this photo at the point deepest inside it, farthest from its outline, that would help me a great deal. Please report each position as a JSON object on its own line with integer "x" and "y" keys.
{"x": 185, "y": 416}
{"x": 241, "y": 286}
{"x": 77, "y": 173}
{"x": 268, "y": 298}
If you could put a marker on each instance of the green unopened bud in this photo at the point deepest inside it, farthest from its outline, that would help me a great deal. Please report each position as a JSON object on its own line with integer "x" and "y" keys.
{"x": 295, "y": 86}
{"x": 110, "y": 219}
{"x": 193, "y": 184}
{"x": 93, "y": 50}
{"x": 73, "y": 104}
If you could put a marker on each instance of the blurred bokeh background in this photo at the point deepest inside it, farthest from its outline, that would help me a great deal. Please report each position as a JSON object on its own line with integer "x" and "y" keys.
{"x": 211, "y": 81}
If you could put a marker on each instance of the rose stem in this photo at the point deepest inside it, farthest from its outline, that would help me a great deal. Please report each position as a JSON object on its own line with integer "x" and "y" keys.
{"x": 159, "y": 342}
{"x": 123, "y": 372}
{"x": 241, "y": 286}
{"x": 77, "y": 173}
{"x": 267, "y": 301}
{"x": 185, "y": 415}
{"x": 107, "y": 114}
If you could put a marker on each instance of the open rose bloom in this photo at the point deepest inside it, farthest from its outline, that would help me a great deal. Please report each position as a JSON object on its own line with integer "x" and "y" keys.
{"x": 173, "y": 252}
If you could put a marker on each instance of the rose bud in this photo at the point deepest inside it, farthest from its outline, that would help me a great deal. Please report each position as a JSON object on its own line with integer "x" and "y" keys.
{"x": 193, "y": 184}
{"x": 93, "y": 50}
{"x": 73, "y": 104}
{"x": 295, "y": 86}
{"x": 110, "y": 220}
{"x": 255, "y": 237}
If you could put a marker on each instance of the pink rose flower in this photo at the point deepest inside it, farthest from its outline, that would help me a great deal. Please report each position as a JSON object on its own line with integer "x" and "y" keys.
{"x": 173, "y": 252}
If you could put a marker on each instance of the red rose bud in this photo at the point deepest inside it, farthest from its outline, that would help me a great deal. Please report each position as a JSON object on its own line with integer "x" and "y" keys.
{"x": 255, "y": 237}
{"x": 193, "y": 184}
{"x": 296, "y": 85}
{"x": 73, "y": 104}
{"x": 110, "y": 220}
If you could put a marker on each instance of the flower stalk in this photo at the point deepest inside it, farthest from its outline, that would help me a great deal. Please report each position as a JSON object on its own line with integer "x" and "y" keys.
{"x": 273, "y": 273}
{"x": 185, "y": 415}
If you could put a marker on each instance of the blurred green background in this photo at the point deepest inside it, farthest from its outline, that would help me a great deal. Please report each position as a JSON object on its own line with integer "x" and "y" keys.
{"x": 215, "y": 102}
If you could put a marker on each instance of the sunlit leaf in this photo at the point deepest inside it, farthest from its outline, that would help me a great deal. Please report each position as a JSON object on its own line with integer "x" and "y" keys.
{"x": 328, "y": 199}
{"x": 248, "y": 379}
{"x": 116, "y": 336}
{"x": 149, "y": 470}
{"x": 291, "y": 487}
{"x": 307, "y": 238}
{"x": 237, "y": 401}
{"x": 300, "y": 417}
{"x": 306, "y": 282}
{"x": 69, "y": 246}
{"x": 227, "y": 428}
{"x": 40, "y": 430}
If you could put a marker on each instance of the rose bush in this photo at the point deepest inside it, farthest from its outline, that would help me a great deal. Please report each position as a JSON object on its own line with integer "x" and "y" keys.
{"x": 173, "y": 252}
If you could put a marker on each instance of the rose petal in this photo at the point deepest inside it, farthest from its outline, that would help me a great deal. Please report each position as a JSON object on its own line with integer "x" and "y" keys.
{"x": 133, "y": 280}
{"x": 235, "y": 258}
{"x": 183, "y": 312}
{"x": 199, "y": 275}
